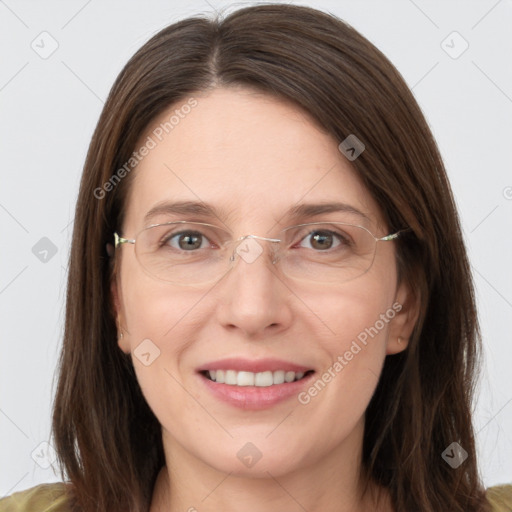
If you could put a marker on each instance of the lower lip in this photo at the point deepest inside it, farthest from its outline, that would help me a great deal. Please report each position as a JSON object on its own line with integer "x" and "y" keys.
{"x": 255, "y": 398}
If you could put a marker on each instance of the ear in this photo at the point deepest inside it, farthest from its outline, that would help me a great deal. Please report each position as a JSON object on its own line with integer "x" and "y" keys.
{"x": 407, "y": 308}
{"x": 115, "y": 292}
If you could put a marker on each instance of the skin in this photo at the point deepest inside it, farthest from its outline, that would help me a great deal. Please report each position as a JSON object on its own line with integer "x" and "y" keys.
{"x": 254, "y": 157}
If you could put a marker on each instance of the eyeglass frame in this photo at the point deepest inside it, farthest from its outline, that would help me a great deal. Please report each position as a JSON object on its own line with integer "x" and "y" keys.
{"x": 119, "y": 240}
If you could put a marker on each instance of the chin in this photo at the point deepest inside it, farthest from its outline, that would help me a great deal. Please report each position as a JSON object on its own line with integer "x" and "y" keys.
{"x": 255, "y": 459}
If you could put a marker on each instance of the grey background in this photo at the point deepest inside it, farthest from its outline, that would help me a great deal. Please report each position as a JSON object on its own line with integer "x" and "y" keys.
{"x": 49, "y": 107}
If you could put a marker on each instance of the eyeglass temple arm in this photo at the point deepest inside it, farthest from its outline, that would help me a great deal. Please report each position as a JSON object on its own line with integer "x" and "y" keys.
{"x": 393, "y": 236}
{"x": 118, "y": 240}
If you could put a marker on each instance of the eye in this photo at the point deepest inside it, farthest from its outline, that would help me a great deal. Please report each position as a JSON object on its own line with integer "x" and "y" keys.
{"x": 186, "y": 241}
{"x": 322, "y": 240}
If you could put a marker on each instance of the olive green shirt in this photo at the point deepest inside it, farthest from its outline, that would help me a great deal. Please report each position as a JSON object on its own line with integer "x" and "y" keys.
{"x": 52, "y": 498}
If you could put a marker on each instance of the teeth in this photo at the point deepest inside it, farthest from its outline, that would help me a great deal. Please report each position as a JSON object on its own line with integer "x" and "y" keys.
{"x": 245, "y": 379}
{"x": 230, "y": 377}
{"x": 279, "y": 377}
{"x": 260, "y": 379}
{"x": 264, "y": 379}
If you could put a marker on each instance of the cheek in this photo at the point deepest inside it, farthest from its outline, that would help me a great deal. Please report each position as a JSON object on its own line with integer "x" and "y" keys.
{"x": 354, "y": 348}
{"x": 161, "y": 326}
{"x": 150, "y": 307}
{"x": 361, "y": 311}
{"x": 155, "y": 317}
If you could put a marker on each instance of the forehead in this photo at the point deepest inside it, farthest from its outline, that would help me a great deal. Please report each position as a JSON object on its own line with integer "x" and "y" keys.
{"x": 250, "y": 155}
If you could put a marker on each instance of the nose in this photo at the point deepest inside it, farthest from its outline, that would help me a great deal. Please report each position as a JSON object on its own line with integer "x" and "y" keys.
{"x": 253, "y": 297}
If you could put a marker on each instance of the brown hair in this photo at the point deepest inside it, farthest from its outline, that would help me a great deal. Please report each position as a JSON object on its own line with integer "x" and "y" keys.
{"x": 108, "y": 440}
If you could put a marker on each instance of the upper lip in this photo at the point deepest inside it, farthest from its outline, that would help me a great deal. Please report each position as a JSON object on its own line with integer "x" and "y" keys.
{"x": 254, "y": 366}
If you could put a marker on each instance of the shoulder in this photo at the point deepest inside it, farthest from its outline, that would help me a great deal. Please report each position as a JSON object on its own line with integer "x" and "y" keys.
{"x": 500, "y": 497}
{"x": 41, "y": 498}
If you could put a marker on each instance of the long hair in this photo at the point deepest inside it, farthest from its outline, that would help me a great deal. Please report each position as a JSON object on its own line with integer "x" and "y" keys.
{"x": 108, "y": 440}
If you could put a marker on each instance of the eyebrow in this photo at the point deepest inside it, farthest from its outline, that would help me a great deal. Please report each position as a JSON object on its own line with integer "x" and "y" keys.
{"x": 313, "y": 210}
{"x": 183, "y": 208}
{"x": 205, "y": 210}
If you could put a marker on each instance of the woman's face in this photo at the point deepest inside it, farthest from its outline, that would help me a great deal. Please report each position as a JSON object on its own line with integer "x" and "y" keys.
{"x": 253, "y": 158}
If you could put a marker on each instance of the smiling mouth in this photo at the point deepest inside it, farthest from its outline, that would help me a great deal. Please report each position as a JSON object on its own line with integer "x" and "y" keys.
{"x": 259, "y": 379}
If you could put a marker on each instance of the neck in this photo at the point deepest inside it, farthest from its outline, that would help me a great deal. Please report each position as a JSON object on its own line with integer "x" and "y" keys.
{"x": 332, "y": 484}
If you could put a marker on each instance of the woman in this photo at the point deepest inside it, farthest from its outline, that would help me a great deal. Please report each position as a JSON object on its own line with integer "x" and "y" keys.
{"x": 269, "y": 302}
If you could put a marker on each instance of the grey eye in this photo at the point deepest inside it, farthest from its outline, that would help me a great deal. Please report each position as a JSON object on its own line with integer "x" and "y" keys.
{"x": 321, "y": 240}
{"x": 187, "y": 241}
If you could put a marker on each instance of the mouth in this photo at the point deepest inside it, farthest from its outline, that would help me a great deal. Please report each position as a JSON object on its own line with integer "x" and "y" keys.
{"x": 260, "y": 379}
{"x": 254, "y": 384}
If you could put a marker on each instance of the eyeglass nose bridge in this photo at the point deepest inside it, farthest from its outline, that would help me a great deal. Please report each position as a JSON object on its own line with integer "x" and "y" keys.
{"x": 250, "y": 254}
